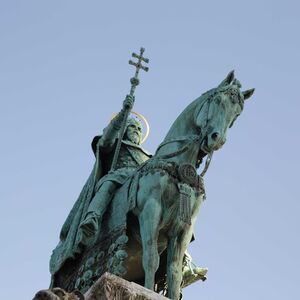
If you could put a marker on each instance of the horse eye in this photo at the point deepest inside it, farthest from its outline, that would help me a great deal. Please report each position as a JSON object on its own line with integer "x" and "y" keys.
{"x": 234, "y": 99}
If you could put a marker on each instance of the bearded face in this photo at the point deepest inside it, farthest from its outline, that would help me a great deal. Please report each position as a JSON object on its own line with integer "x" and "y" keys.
{"x": 134, "y": 133}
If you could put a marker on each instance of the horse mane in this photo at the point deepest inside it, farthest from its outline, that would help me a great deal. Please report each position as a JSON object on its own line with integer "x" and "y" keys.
{"x": 193, "y": 109}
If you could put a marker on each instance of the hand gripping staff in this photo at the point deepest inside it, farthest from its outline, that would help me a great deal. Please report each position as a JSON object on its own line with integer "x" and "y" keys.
{"x": 134, "y": 83}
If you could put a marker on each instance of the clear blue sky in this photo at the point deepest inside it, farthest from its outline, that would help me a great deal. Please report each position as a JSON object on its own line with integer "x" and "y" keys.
{"x": 64, "y": 71}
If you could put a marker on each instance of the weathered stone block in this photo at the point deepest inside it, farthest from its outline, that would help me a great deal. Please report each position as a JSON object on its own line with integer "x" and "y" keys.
{"x": 111, "y": 287}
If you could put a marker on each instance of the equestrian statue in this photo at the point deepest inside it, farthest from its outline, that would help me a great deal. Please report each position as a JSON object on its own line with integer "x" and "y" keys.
{"x": 135, "y": 214}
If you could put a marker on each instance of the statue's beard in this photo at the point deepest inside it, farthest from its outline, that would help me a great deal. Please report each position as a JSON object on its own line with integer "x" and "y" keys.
{"x": 134, "y": 138}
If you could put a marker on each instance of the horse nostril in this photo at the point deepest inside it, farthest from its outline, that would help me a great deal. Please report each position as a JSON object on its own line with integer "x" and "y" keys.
{"x": 214, "y": 136}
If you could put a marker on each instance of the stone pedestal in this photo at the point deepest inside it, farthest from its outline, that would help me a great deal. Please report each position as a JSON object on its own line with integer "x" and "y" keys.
{"x": 111, "y": 287}
{"x": 107, "y": 287}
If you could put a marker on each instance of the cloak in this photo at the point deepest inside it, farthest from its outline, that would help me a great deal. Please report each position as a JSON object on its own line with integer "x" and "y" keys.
{"x": 69, "y": 244}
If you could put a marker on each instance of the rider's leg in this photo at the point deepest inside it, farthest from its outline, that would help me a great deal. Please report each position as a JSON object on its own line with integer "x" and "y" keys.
{"x": 93, "y": 218}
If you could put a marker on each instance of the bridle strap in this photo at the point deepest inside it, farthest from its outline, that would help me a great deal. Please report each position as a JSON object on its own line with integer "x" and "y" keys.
{"x": 207, "y": 163}
{"x": 191, "y": 139}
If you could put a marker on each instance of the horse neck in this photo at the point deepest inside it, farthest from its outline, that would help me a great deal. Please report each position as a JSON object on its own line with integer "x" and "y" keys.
{"x": 183, "y": 129}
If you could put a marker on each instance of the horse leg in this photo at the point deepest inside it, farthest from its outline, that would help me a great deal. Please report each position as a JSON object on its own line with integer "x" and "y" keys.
{"x": 149, "y": 220}
{"x": 176, "y": 249}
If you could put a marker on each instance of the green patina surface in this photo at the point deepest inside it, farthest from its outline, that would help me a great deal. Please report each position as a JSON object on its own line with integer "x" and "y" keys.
{"x": 136, "y": 212}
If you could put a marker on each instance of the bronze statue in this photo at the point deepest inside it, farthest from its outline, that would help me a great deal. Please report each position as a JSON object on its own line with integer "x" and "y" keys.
{"x": 136, "y": 213}
{"x": 131, "y": 155}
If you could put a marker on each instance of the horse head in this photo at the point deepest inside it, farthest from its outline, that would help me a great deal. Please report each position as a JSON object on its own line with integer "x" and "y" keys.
{"x": 221, "y": 107}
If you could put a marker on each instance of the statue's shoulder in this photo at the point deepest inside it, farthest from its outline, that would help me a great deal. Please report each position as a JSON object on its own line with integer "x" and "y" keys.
{"x": 105, "y": 149}
{"x": 95, "y": 142}
{"x": 128, "y": 143}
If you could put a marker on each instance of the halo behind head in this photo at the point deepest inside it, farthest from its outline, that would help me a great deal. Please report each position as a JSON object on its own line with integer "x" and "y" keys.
{"x": 137, "y": 117}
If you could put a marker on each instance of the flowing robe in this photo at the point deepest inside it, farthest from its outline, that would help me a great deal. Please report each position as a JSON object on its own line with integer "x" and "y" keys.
{"x": 131, "y": 156}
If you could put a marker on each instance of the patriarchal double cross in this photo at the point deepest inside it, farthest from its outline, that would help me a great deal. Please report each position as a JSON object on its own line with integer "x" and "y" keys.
{"x": 138, "y": 65}
{"x": 134, "y": 83}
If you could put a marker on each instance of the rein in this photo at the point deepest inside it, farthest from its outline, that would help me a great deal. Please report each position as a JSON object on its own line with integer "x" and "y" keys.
{"x": 191, "y": 139}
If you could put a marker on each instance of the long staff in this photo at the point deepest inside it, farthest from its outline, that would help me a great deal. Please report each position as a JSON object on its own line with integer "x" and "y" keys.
{"x": 134, "y": 83}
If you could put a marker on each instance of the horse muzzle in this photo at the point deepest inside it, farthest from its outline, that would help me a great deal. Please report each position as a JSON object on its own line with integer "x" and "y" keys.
{"x": 212, "y": 142}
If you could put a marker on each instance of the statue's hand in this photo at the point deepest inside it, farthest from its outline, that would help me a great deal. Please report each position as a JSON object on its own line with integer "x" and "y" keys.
{"x": 128, "y": 102}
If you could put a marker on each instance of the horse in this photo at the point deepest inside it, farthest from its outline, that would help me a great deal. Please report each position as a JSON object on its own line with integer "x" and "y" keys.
{"x": 198, "y": 131}
{"x": 154, "y": 212}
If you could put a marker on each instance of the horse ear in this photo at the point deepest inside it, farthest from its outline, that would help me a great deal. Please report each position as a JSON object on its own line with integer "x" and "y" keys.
{"x": 247, "y": 94}
{"x": 228, "y": 79}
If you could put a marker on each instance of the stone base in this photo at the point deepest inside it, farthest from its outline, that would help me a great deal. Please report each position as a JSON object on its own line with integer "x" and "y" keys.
{"x": 107, "y": 287}
{"x": 111, "y": 287}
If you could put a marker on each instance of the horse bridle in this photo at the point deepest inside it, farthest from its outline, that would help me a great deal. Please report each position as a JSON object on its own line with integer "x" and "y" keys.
{"x": 191, "y": 140}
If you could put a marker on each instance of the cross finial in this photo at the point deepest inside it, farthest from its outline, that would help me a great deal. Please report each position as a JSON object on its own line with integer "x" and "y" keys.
{"x": 138, "y": 65}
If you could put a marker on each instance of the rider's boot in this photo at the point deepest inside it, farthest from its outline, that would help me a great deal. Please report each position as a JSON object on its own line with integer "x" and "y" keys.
{"x": 190, "y": 272}
{"x": 91, "y": 224}
{"x": 88, "y": 228}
